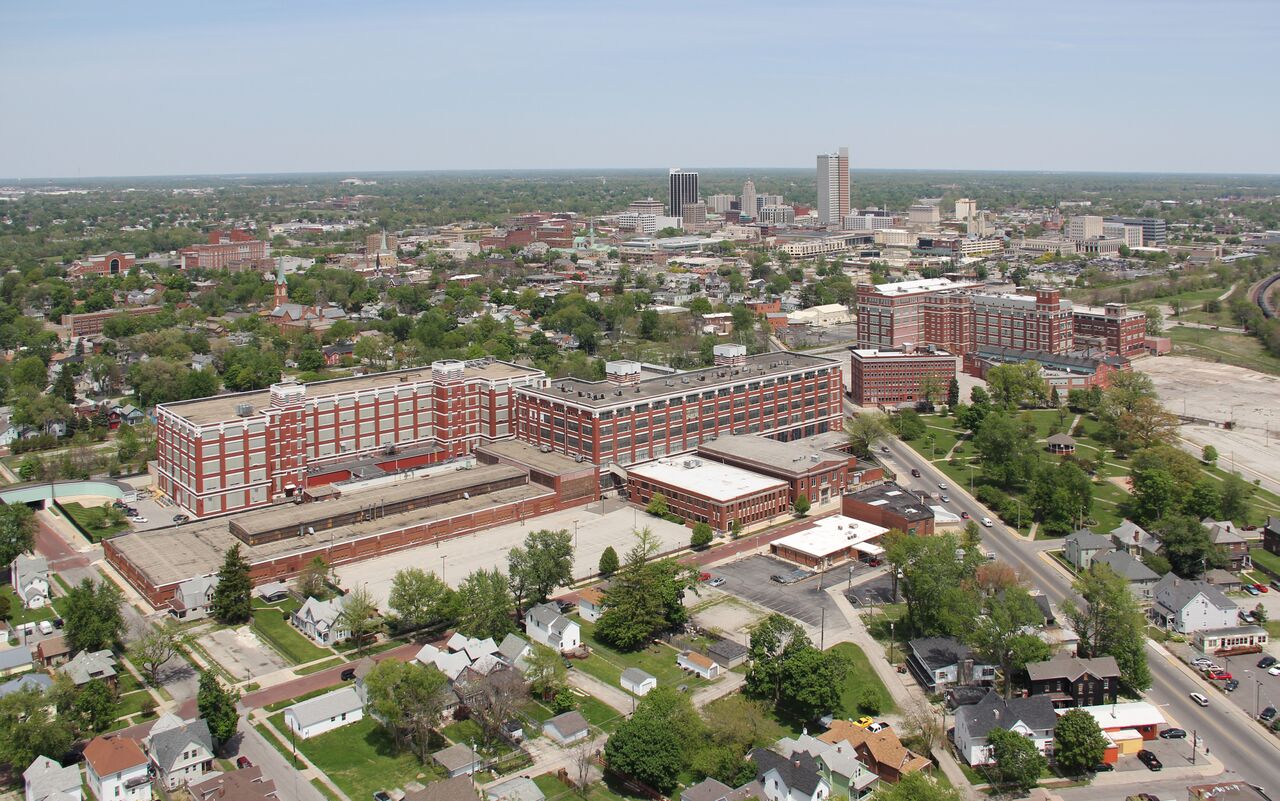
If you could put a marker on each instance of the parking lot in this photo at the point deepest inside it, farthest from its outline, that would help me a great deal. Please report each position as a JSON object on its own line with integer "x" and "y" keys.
{"x": 751, "y": 578}
{"x": 876, "y": 591}
{"x": 1171, "y": 753}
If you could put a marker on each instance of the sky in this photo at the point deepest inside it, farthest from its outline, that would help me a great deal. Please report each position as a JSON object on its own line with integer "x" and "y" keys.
{"x": 178, "y": 88}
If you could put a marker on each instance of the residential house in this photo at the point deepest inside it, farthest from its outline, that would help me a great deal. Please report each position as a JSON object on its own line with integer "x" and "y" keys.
{"x": 882, "y": 752}
{"x": 1187, "y": 606}
{"x": 40, "y": 682}
{"x": 1271, "y": 535}
{"x": 459, "y": 788}
{"x": 1081, "y": 546}
{"x": 53, "y": 651}
{"x": 545, "y": 625}
{"x": 324, "y": 713}
{"x": 838, "y": 763}
{"x": 938, "y": 662}
{"x": 1225, "y": 535}
{"x": 245, "y": 784}
{"x": 637, "y": 682}
{"x": 515, "y": 651}
{"x": 1032, "y": 717}
{"x": 1142, "y": 579}
{"x": 567, "y": 728}
{"x": 450, "y": 663}
{"x": 1134, "y": 539}
{"x": 698, "y": 664}
{"x": 727, "y": 653}
{"x": 708, "y": 789}
{"x": 789, "y": 778}
{"x": 1071, "y": 681}
{"x": 321, "y": 621}
{"x": 182, "y": 751}
{"x": 521, "y": 788}
{"x": 1224, "y": 580}
{"x": 194, "y": 598}
{"x": 87, "y": 666}
{"x": 46, "y": 780}
{"x": 459, "y": 760}
{"x": 15, "y": 660}
{"x": 29, "y": 577}
{"x": 590, "y": 604}
{"x": 116, "y": 769}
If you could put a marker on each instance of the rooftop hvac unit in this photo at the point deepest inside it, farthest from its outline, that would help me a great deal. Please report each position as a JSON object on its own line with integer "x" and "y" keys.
{"x": 690, "y": 464}
{"x": 684, "y": 380}
{"x": 244, "y": 409}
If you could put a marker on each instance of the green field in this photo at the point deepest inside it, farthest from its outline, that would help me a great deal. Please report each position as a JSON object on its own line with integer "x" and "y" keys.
{"x": 360, "y": 758}
{"x": 607, "y": 665}
{"x": 555, "y": 790}
{"x": 1224, "y": 347}
{"x": 85, "y": 518}
{"x": 270, "y": 625}
{"x": 861, "y": 676}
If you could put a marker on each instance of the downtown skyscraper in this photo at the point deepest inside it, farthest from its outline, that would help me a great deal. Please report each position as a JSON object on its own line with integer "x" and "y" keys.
{"x": 747, "y": 206}
{"x": 683, "y": 189}
{"x": 833, "y": 187}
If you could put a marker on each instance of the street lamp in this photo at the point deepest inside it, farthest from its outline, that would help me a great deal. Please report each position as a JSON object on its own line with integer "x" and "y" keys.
{"x": 891, "y": 640}
{"x": 442, "y": 558}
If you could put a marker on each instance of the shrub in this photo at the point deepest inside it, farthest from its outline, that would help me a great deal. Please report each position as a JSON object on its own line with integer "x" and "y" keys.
{"x": 870, "y": 701}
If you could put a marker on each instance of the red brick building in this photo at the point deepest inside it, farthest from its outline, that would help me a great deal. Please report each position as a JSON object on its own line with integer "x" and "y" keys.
{"x": 1114, "y": 328}
{"x": 1065, "y": 371}
{"x": 105, "y": 264}
{"x": 227, "y": 250}
{"x": 1039, "y": 322}
{"x": 88, "y": 323}
{"x": 704, "y": 491}
{"x": 948, "y": 322}
{"x": 628, "y": 418}
{"x": 893, "y": 315}
{"x": 890, "y": 506}
{"x": 891, "y": 377}
{"x": 808, "y": 468}
{"x": 766, "y": 306}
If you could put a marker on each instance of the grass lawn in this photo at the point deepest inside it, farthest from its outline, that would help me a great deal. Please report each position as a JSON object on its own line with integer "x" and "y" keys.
{"x": 607, "y": 664}
{"x": 1264, "y": 558}
{"x": 85, "y": 518}
{"x": 288, "y": 641}
{"x": 555, "y": 790}
{"x": 1241, "y": 350}
{"x": 323, "y": 789}
{"x": 463, "y": 731}
{"x": 319, "y": 666}
{"x": 861, "y": 677}
{"x": 361, "y": 758}
{"x": 598, "y": 713}
{"x": 132, "y": 703}
{"x": 289, "y": 604}
{"x": 536, "y": 710}
{"x": 19, "y": 614}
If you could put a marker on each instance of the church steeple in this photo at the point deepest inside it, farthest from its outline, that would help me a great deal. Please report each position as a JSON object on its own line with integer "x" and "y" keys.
{"x": 282, "y": 287}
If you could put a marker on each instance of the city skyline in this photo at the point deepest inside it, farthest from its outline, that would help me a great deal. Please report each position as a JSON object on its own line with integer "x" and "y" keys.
{"x": 440, "y": 80}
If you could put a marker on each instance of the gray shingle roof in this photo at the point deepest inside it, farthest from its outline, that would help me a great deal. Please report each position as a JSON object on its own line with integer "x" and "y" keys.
{"x": 1174, "y": 593}
{"x": 800, "y": 772}
{"x": 1086, "y": 540}
{"x": 326, "y": 706}
{"x": 992, "y": 712}
{"x": 168, "y": 745}
{"x": 12, "y": 658}
{"x": 1065, "y": 666}
{"x": 47, "y": 777}
{"x": 569, "y": 723}
{"x": 635, "y": 675}
{"x": 1126, "y": 566}
{"x": 940, "y": 652}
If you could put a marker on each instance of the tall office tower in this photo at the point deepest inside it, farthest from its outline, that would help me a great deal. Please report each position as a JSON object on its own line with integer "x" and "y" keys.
{"x": 748, "y": 204}
{"x": 965, "y": 209}
{"x": 694, "y": 215}
{"x": 833, "y": 187}
{"x": 721, "y": 204}
{"x": 684, "y": 189}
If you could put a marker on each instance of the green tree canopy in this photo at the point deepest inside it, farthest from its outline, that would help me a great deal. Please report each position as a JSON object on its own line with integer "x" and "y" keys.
{"x": 658, "y": 741}
{"x": 232, "y": 601}
{"x": 420, "y": 599}
{"x": 1078, "y": 742}
{"x": 485, "y": 605}
{"x": 93, "y": 618}
{"x": 544, "y": 562}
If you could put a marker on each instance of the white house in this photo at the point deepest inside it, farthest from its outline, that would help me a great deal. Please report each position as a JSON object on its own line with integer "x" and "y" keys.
{"x": 324, "y": 713}
{"x": 590, "y": 604}
{"x": 46, "y": 780}
{"x": 794, "y": 778}
{"x": 1082, "y": 546}
{"x": 544, "y": 624}
{"x": 320, "y": 620}
{"x": 1187, "y": 606}
{"x": 696, "y": 663}
{"x": 29, "y": 577}
{"x": 194, "y": 598}
{"x": 182, "y": 751}
{"x": 116, "y": 769}
{"x": 637, "y": 682}
{"x": 1031, "y": 717}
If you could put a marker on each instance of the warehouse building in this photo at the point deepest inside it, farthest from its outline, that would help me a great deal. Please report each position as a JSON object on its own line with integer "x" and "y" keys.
{"x": 704, "y": 491}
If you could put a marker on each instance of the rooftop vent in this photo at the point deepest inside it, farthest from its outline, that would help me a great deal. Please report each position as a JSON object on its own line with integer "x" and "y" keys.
{"x": 244, "y": 409}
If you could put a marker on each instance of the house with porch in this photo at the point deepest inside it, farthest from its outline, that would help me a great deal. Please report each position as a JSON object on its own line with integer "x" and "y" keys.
{"x": 1032, "y": 717}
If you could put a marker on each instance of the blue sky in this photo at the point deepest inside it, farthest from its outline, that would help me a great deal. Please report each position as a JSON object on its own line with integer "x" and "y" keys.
{"x": 139, "y": 88}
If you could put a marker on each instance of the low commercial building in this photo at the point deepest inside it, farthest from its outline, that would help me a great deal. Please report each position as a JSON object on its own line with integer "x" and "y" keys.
{"x": 830, "y": 541}
{"x": 89, "y": 323}
{"x": 809, "y": 467}
{"x": 1061, "y": 371}
{"x": 1232, "y": 640}
{"x": 892, "y": 377}
{"x": 709, "y": 492}
{"x": 1140, "y": 716}
{"x": 890, "y": 506}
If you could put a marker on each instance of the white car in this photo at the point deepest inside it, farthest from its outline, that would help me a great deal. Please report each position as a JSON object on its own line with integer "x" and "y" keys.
{"x": 1199, "y": 699}
{"x": 138, "y": 519}
{"x": 1274, "y": 670}
{"x": 942, "y": 485}
{"x": 986, "y": 521}
{"x": 879, "y": 725}
{"x": 1201, "y": 662}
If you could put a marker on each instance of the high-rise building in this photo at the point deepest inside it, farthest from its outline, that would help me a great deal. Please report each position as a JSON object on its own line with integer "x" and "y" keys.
{"x": 694, "y": 215}
{"x": 683, "y": 189}
{"x": 721, "y": 204}
{"x": 1155, "y": 232}
{"x": 748, "y": 204}
{"x": 777, "y": 214}
{"x": 833, "y": 187}
{"x": 1039, "y": 322}
{"x": 1084, "y": 226}
{"x": 965, "y": 209}
{"x": 924, "y": 214}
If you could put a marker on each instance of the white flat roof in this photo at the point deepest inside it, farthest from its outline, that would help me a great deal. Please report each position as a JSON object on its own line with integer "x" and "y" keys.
{"x": 831, "y": 535}
{"x": 1124, "y": 716}
{"x": 719, "y": 482}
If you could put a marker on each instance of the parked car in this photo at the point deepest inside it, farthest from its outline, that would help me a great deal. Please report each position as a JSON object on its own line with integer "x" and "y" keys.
{"x": 1217, "y": 675}
{"x": 704, "y": 576}
{"x": 864, "y": 721}
{"x": 46, "y": 627}
{"x": 181, "y": 519}
{"x": 1103, "y": 767}
{"x": 138, "y": 519}
{"x": 1150, "y": 760}
{"x": 1266, "y": 662}
{"x": 382, "y": 795}
{"x": 1252, "y": 590}
{"x": 1246, "y": 616}
{"x": 1275, "y": 584}
{"x": 243, "y": 762}
{"x": 348, "y": 674}
{"x": 986, "y": 521}
{"x": 778, "y": 577}
{"x": 1199, "y": 699}
{"x": 879, "y": 725}
{"x": 716, "y": 582}
{"x": 1267, "y": 714}
{"x": 1231, "y": 686}
{"x": 1174, "y": 733}
{"x": 1260, "y": 587}
{"x": 1274, "y": 670}
{"x": 1201, "y": 662}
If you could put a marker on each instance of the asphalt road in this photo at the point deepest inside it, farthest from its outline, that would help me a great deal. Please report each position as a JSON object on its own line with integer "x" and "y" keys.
{"x": 1223, "y": 727}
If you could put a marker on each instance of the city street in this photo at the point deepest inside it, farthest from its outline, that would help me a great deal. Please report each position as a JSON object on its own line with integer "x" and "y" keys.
{"x": 1225, "y": 728}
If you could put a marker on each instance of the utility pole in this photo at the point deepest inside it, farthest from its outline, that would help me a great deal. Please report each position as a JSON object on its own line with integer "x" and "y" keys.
{"x": 822, "y": 637}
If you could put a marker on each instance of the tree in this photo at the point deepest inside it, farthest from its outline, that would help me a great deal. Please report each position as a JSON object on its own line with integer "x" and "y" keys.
{"x": 936, "y": 582}
{"x": 1012, "y": 385}
{"x": 93, "y": 618}
{"x": 1017, "y": 762}
{"x": 773, "y": 640}
{"x": 421, "y": 599}
{"x": 1187, "y": 546}
{"x": 801, "y": 505}
{"x": 953, "y": 393}
{"x": 313, "y": 581}
{"x": 865, "y": 430}
{"x": 17, "y": 531}
{"x": 645, "y": 597}
{"x": 217, "y": 705}
{"x": 543, "y": 563}
{"x": 908, "y": 425}
{"x": 546, "y": 672}
{"x": 1236, "y": 493}
{"x": 28, "y": 729}
{"x": 1209, "y": 455}
{"x": 1203, "y": 499}
{"x": 1002, "y": 633}
{"x": 1153, "y": 495}
{"x": 657, "y": 505}
{"x": 656, "y": 743}
{"x": 1007, "y": 449}
{"x": 495, "y": 699}
{"x": 1060, "y": 495}
{"x": 812, "y": 681}
{"x": 485, "y": 605}
{"x": 701, "y": 536}
{"x": 232, "y": 602}
{"x": 155, "y": 648}
{"x": 1078, "y": 743}
{"x": 733, "y": 726}
{"x": 931, "y": 388}
{"x": 922, "y": 726}
{"x": 918, "y": 786}
{"x": 1109, "y": 622}
{"x": 406, "y": 697}
{"x": 608, "y": 562}
{"x": 359, "y": 616}
{"x": 94, "y": 708}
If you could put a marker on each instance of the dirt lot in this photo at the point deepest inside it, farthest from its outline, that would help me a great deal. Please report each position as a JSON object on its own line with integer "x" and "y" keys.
{"x": 240, "y": 652}
{"x": 726, "y": 614}
{"x": 1222, "y": 392}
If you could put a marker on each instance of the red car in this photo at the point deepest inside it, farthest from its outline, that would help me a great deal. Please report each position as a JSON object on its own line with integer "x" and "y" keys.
{"x": 964, "y": 515}
{"x": 704, "y": 577}
{"x": 243, "y": 762}
{"x": 1218, "y": 675}
{"x": 1260, "y": 587}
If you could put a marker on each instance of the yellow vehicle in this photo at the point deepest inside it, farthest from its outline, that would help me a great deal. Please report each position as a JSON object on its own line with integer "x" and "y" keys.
{"x": 863, "y": 722}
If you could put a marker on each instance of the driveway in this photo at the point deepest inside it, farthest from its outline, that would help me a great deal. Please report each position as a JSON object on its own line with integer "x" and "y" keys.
{"x": 804, "y": 600}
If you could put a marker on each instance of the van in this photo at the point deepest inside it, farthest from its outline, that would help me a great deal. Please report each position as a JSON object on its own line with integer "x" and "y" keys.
{"x": 986, "y": 521}
{"x": 1199, "y": 699}
{"x": 46, "y": 627}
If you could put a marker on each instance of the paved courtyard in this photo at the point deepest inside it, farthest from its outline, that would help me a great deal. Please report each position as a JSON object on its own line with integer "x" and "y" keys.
{"x": 599, "y": 525}
{"x": 241, "y": 652}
